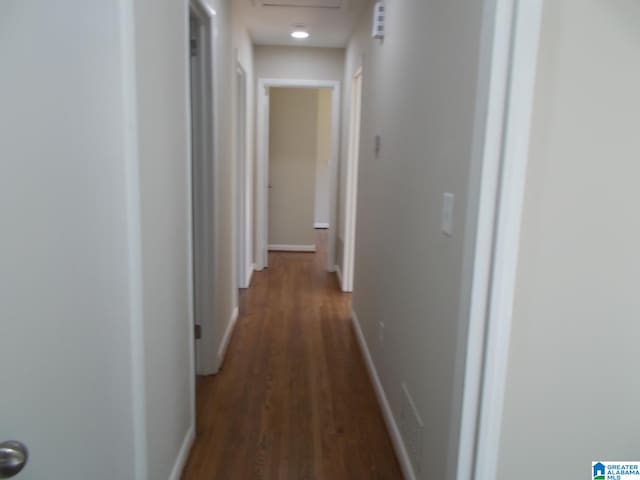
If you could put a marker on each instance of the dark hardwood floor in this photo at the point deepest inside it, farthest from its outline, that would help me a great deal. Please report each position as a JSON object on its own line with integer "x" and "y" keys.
{"x": 293, "y": 400}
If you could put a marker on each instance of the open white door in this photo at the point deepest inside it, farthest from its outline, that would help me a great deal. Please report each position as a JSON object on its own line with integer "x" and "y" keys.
{"x": 201, "y": 72}
{"x": 69, "y": 317}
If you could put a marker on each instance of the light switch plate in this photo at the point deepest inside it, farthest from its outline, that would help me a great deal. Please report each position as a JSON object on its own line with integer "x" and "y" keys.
{"x": 447, "y": 214}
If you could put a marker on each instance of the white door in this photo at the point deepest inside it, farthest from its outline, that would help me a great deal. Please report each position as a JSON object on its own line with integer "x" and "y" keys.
{"x": 197, "y": 174}
{"x": 202, "y": 187}
{"x": 66, "y": 387}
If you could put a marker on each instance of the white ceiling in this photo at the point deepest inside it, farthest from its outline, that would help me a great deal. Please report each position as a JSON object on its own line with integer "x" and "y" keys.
{"x": 329, "y": 22}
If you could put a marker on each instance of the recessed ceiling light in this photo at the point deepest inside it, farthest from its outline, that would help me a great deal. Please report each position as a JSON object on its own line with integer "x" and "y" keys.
{"x": 300, "y": 34}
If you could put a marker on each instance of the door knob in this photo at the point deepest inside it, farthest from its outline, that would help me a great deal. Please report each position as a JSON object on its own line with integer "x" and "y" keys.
{"x": 13, "y": 458}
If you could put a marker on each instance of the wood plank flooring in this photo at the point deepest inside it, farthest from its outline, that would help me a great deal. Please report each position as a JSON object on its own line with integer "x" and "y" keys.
{"x": 293, "y": 400}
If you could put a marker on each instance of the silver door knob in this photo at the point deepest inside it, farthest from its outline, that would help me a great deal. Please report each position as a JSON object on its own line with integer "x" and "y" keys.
{"x": 13, "y": 458}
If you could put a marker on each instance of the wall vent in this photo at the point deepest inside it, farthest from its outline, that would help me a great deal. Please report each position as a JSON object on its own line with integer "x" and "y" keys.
{"x": 379, "y": 11}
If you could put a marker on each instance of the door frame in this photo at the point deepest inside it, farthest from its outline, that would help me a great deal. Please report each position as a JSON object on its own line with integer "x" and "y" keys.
{"x": 351, "y": 178}
{"x": 243, "y": 242}
{"x": 201, "y": 196}
{"x": 262, "y": 171}
{"x": 504, "y": 106}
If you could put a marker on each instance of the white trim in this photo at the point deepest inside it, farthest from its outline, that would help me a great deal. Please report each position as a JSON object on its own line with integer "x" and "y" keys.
{"x": 351, "y": 180}
{"x": 222, "y": 351}
{"x": 392, "y": 426}
{"x": 321, "y": 225}
{"x": 262, "y": 162}
{"x": 183, "y": 454}
{"x": 203, "y": 8}
{"x": 517, "y": 129}
{"x": 261, "y": 194}
{"x": 243, "y": 193}
{"x": 491, "y": 97}
{"x": 292, "y": 248}
{"x": 252, "y": 268}
{"x": 338, "y": 271}
{"x": 333, "y": 175}
{"x": 134, "y": 240}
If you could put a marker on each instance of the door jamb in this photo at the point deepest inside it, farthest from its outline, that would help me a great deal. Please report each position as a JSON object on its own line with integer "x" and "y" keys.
{"x": 351, "y": 176}
{"x": 506, "y": 88}
{"x": 527, "y": 24}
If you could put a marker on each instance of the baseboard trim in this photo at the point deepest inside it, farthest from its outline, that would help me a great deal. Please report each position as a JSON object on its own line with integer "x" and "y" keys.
{"x": 292, "y": 248}
{"x": 250, "y": 274}
{"x": 392, "y": 426}
{"x": 339, "y": 273}
{"x": 321, "y": 225}
{"x": 183, "y": 454}
{"x": 222, "y": 351}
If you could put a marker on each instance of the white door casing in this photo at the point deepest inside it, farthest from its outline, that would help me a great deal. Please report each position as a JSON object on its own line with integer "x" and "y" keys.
{"x": 351, "y": 194}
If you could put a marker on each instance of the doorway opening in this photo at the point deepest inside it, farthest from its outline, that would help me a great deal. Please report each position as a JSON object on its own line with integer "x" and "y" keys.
{"x": 297, "y": 148}
{"x": 298, "y": 163}
{"x": 351, "y": 193}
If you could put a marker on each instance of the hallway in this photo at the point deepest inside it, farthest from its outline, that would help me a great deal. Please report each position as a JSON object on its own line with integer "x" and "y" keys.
{"x": 293, "y": 400}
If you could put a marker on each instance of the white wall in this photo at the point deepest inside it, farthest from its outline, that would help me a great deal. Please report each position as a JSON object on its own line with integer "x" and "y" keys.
{"x": 65, "y": 290}
{"x": 163, "y": 144}
{"x": 323, "y": 155}
{"x": 164, "y": 165}
{"x": 572, "y": 393}
{"x": 302, "y": 63}
{"x": 419, "y": 94}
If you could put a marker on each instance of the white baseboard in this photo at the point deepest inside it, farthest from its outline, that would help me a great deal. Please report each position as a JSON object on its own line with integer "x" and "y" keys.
{"x": 339, "y": 273}
{"x": 392, "y": 426}
{"x": 250, "y": 274}
{"x": 292, "y": 248}
{"x": 321, "y": 225}
{"x": 222, "y": 351}
{"x": 183, "y": 454}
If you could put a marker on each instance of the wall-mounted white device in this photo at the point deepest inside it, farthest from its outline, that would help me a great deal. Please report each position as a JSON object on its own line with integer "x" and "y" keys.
{"x": 378, "y": 20}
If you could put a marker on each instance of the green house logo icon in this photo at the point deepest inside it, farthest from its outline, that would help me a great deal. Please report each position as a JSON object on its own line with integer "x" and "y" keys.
{"x": 598, "y": 471}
